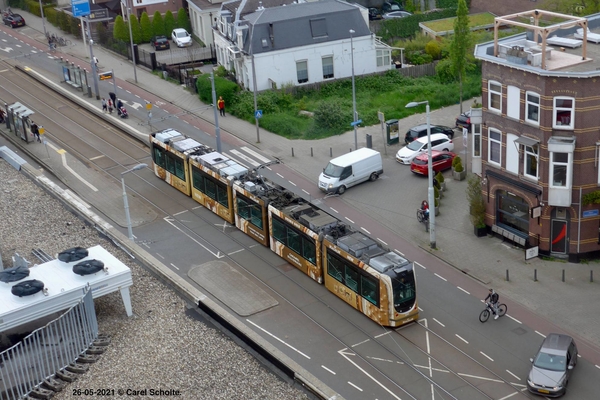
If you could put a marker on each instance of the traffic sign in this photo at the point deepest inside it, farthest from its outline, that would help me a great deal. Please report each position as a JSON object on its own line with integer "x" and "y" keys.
{"x": 148, "y": 106}
{"x": 355, "y": 122}
{"x": 258, "y": 114}
{"x": 80, "y": 8}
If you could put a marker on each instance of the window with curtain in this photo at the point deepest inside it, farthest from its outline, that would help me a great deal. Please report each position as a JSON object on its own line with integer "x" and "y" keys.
{"x": 327, "y": 67}
{"x": 532, "y": 107}
{"x": 495, "y": 147}
{"x": 563, "y": 113}
{"x": 495, "y": 96}
{"x": 302, "y": 71}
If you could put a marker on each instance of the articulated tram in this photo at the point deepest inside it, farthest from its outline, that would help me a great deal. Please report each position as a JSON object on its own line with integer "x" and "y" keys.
{"x": 377, "y": 282}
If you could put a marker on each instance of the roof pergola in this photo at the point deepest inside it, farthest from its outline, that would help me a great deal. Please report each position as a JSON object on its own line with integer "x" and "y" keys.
{"x": 535, "y": 16}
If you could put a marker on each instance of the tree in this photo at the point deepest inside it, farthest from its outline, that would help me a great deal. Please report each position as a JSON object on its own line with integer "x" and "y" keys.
{"x": 145, "y": 27}
{"x": 183, "y": 20}
{"x": 169, "y": 22}
{"x": 120, "y": 30}
{"x": 460, "y": 45}
{"x": 158, "y": 24}
{"x": 136, "y": 31}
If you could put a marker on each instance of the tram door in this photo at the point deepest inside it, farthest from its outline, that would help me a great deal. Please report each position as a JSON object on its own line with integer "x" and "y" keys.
{"x": 559, "y": 231}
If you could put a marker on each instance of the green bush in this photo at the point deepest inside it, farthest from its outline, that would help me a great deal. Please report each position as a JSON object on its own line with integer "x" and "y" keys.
{"x": 182, "y": 19}
{"x": 439, "y": 177}
{"x": 444, "y": 73}
{"x": 408, "y": 26}
{"x": 120, "y": 29}
{"x": 286, "y": 125}
{"x": 330, "y": 115}
{"x": 476, "y": 201}
{"x": 457, "y": 164}
{"x": 158, "y": 25}
{"x": 169, "y": 22}
{"x": 434, "y": 49}
{"x": 145, "y": 28}
{"x": 136, "y": 31}
{"x": 223, "y": 87}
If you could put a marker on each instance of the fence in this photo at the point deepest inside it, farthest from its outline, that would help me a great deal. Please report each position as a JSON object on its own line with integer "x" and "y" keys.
{"x": 47, "y": 350}
{"x": 417, "y": 71}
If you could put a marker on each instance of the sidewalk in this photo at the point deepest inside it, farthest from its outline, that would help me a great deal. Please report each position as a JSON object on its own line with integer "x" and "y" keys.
{"x": 485, "y": 259}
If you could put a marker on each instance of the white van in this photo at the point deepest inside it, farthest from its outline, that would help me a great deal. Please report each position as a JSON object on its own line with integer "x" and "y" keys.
{"x": 351, "y": 169}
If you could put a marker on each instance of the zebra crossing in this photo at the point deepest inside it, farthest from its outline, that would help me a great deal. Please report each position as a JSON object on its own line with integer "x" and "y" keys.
{"x": 246, "y": 157}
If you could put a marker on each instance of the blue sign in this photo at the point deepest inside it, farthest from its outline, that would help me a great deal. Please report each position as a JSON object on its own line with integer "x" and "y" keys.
{"x": 80, "y": 8}
{"x": 258, "y": 114}
{"x": 355, "y": 122}
{"x": 590, "y": 213}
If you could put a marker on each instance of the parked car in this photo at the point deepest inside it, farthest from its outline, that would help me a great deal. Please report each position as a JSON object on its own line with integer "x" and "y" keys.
{"x": 396, "y": 14}
{"x": 552, "y": 366}
{"x": 160, "y": 42}
{"x": 439, "y": 141}
{"x": 440, "y": 161}
{"x": 464, "y": 120}
{"x": 374, "y": 13}
{"x": 421, "y": 130}
{"x": 13, "y": 20}
{"x": 389, "y": 6}
{"x": 181, "y": 37}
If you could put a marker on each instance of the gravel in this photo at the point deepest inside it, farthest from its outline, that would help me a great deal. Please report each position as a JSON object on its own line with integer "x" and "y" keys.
{"x": 161, "y": 346}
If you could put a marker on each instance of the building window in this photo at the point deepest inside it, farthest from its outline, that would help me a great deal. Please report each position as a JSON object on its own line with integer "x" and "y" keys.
{"x": 327, "y": 67}
{"x": 302, "y": 71}
{"x": 559, "y": 169}
{"x": 495, "y": 147}
{"x": 532, "y": 108}
{"x": 530, "y": 162}
{"x": 495, "y": 96}
{"x": 513, "y": 102}
{"x": 476, "y": 140}
{"x": 383, "y": 58}
{"x": 512, "y": 213}
{"x": 564, "y": 113}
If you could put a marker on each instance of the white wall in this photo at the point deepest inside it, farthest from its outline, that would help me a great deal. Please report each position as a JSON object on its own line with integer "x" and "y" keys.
{"x": 201, "y": 23}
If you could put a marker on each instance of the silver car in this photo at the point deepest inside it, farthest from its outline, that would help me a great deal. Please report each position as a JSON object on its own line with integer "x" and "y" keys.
{"x": 552, "y": 366}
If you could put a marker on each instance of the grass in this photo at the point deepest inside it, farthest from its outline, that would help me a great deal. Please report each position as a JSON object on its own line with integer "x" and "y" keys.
{"x": 447, "y": 24}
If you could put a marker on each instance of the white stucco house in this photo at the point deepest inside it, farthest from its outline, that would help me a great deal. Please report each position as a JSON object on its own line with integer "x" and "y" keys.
{"x": 203, "y": 14}
{"x": 296, "y": 43}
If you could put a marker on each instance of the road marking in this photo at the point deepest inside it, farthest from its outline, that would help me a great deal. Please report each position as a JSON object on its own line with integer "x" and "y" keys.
{"x": 514, "y": 376}
{"x": 365, "y": 230}
{"x": 173, "y": 265}
{"x": 384, "y": 243}
{"x": 399, "y": 252}
{"x": 383, "y": 334}
{"x": 463, "y": 290}
{"x": 488, "y": 357}
{"x": 146, "y": 245}
{"x": 279, "y": 175}
{"x": 180, "y": 212}
{"x": 349, "y": 220}
{"x": 345, "y": 355}
{"x": 160, "y": 255}
{"x": 63, "y": 157}
{"x": 461, "y": 338}
{"x": 306, "y": 192}
{"x": 541, "y": 334}
{"x": 441, "y": 277}
{"x": 356, "y": 387}
{"x": 97, "y": 157}
{"x": 334, "y": 210}
{"x": 245, "y": 157}
{"x": 292, "y": 183}
{"x": 234, "y": 252}
{"x": 433, "y": 369}
{"x": 276, "y": 338}
{"x": 255, "y": 154}
{"x": 172, "y": 223}
{"x": 359, "y": 343}
{"x": 514, "y": 319}
{"x": 197, "y": 207}
{"x": 328, "y": 370}
{"x": 509, "y": 396}
{"x": 597, "y": 366}
{"x": 381, "y": 359}
{"x": 420, "y": 265}
{"x": 439, "y": 323}
{"x": 483, "y": 378}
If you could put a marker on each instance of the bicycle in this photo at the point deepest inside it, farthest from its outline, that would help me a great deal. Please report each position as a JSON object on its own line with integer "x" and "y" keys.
{"x": 422, "y": 218}
{"x": 485, "y": 314}
{"x": 64, "y": 42}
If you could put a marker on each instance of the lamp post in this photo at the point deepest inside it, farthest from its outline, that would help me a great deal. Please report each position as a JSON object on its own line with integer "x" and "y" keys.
{"x": 254, "y": 86}
{"x": 353, "y": 90}
{"x": 43, "y": 19}
{"x": 131, "y": 41}
{"x": 134, "y": 168}
{"x": 92, "y": 63}
{"x": 214, "y": 100}
{"x": 430, "y": 193}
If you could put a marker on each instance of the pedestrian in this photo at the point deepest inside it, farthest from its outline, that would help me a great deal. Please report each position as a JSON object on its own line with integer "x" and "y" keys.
{"x": 35, "y": 131}
{"x": 104, "y": 105}
{"x": 110, "y": 106}
{"x": 96, "y": 62}
{"x": 221, "y": 106}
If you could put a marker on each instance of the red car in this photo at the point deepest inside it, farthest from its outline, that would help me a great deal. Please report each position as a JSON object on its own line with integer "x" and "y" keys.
{"x": 441, "y": 160}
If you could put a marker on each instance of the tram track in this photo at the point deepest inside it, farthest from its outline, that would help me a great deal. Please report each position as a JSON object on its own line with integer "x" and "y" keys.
{"x": 406, "y": 361}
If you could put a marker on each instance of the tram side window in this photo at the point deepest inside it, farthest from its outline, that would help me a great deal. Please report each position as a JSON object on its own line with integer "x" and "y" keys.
{"x": 174, "y": 165}
{"x": 279, "y": 231}
{"x": 210, "y": 187}
{"x": 249, "y": 211}
{"x": 295, "y": 240}
{"x": 351, "y": 278}
{"x": 334, "y": 267}
{"x": 158, "y": 156}
{"x": 368, "y": 289}
{"x": 309, "y": 250}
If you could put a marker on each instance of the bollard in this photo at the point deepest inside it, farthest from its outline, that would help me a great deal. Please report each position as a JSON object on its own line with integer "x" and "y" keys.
{"x": 331, "y": 152}
{"x": 535, "y": 275}
{"x": 591, "y": 275}
{"x": 507, "y": 278}
{"x": 292, "y": 152}
{"x": 350, "y": 150}
{"x": 311, "y": 152}
{"x": 563, "y": 275}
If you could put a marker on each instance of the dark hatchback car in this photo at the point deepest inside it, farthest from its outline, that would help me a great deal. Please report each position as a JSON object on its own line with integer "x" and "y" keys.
{"x": 464, "y": 120}
{"x": 14, "y": 20}
{"x": 160, "y": 43}
{"x": 552, "y": 366}
{"x": 421, "y": 130}
{"x": 374, "y": 14}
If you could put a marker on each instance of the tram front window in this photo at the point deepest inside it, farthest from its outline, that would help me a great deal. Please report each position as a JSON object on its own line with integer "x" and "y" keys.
{"x": 403, "y": 286}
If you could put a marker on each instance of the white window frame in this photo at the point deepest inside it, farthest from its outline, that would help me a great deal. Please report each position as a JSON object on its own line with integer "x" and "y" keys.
{"x": 323, "y": 66}
{"x": 568, "y": 164}
{"x": 556, "y": 109}
{"x": 532, "y": 104}
{"x": 513, "y": 102}
{"x": 498, "y": 142}
{"x": 477, "y": 145}
{"x": 531, "y": 153}
{"x": 297, "y": 76}
{"x": 383, "y": 57}
{"x": 492, "y": 93}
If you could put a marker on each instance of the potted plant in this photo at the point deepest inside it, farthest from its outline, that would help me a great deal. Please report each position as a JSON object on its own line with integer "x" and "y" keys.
{"x": 437, "y": 206}
{"x": 476, "y": 205}
{"x": 439, "y": 178}
{"x": 436, "y": 196}
{"x": 458, "y": 171}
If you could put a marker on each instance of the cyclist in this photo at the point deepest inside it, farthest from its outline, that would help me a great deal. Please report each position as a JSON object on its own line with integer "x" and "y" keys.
{"x": 425, "y": 209}
{"x": 494, "y": 298}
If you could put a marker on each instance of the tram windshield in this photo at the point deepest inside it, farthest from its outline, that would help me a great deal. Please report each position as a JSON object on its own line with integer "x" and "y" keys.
{"x": 403, "y": 286}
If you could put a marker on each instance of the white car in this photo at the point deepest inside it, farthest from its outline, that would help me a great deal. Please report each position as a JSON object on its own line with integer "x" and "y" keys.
{"x": 181, "y": 37}
{"x": 439, "y": 141}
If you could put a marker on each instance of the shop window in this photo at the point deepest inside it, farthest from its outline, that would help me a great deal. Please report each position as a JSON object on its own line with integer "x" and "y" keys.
{"x": 512, "y": 212}
{"x": 495, "y": 147}
{"x": 532, "y": 108}
{"x": 563, "y": 113}
{"x": 495, "y": 96}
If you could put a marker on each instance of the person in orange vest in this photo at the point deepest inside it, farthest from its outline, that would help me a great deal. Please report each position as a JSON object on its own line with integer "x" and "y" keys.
{"x": 221, "y": 106}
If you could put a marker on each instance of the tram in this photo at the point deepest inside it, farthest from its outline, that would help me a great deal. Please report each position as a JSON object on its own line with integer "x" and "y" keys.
{"x": 377, "y": 282}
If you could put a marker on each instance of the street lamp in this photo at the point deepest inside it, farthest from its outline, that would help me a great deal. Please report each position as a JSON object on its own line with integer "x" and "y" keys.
{"x": 131, "y": 41}
{"x": 92, "y": 63}
{"x": 43, "y": 19}
{"x": 353, "y": 91}
{"x": 430, "y": 194}
{"x": 134, "y": 168}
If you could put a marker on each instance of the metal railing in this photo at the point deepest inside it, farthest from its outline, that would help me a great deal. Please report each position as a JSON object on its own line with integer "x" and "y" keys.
{"x": 49, "y": 349}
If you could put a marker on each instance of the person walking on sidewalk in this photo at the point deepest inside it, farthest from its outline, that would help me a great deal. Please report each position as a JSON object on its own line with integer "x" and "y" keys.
{"x": 104, "y": 105}
{"x": 221, "y": 106}
{"x": 110, "y": 106}
{"x": 35, "y": 131}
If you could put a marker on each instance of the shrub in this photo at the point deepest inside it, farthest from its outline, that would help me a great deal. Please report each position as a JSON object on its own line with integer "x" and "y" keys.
{"x": 458, "y": 167}
{"x": 443, "y": 71}
{"x": 434, "y": 49}
{"x": 183, "y": 20}
{"x": 169, "y": 22}
{"x": 455, "y": 161}
{"x": 145, "y": 28}
{"x": 439, "y": 177}
{"x": 476, "y": 201}
{"x": 223, "y": 87}
{"x": 329, "y": 115}
{"x": 120, "y": 31}
{"x": 136, "y": 31}
{"x": 286, "y": 125}
{"x": 158, "y": 25}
